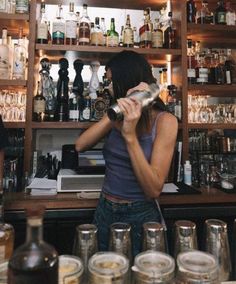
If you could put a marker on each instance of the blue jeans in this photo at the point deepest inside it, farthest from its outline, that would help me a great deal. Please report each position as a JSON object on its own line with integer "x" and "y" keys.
{"x": 134, "y": 213}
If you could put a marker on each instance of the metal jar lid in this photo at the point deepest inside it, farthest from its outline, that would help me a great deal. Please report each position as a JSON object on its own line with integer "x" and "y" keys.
{"x": 70, "y": 269}
{"x": 155, "y": 266}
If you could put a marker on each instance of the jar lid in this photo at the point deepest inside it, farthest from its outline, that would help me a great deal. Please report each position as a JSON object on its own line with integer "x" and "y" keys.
{"x": 155, "y": 264}
{"x": 108, "y": 264}
{"x": 197, "y": 265}
{"x": 70, "y": 267}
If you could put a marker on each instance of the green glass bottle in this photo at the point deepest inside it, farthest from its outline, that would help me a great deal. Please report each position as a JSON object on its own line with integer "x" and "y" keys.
{"x": 112, "y": 35}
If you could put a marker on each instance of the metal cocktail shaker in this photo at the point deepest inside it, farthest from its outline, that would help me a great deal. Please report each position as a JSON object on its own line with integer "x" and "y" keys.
{"x": 145, "y": 97}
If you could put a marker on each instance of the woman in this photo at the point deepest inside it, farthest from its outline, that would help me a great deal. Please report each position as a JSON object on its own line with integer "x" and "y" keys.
{"x": 137, "y": 150}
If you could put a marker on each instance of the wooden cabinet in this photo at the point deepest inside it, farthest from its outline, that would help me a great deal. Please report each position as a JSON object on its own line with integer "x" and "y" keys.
{"x": 209, "y": 35}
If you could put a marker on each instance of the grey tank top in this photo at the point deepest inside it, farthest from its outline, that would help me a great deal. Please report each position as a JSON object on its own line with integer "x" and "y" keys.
{"x": 120, "y": 180}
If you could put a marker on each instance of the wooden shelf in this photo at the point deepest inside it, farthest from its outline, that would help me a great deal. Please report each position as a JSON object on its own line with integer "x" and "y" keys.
{"x": 11, "y": 83}
{"x": 122, "y": 4}
{"x": 212, "y": 126}
{"x": 13, "y": 22}
{"x": 14, "y": 124}
{"x": 215, "y": 90}
{"x": 210, "y": 35}
{"x": 61, "y": 125}
{"x": 88, "y": 53}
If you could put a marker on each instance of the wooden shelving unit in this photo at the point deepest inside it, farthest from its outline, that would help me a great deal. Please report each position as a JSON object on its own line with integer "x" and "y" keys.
{"x": 209, "y": 35}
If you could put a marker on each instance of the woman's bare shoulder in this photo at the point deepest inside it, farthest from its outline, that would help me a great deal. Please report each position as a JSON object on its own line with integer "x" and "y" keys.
{"x": 167, "y": 120}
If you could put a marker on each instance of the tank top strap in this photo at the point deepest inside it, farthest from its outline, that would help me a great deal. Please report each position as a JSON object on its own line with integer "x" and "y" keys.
{"x": 154, "y": 127}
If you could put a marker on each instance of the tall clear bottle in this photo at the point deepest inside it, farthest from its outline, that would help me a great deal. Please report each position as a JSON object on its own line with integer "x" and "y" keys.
{"x": 71, "y": 26}
{"x": 19, "y": 58}
{"x": 84, "y": 27}
{"x": 35, "y": 261}
{"x": 58, "y": 27}
{"x": 4, "y": 57}
{"x": 128, "y": 40}
{"x": 42, "y": 26}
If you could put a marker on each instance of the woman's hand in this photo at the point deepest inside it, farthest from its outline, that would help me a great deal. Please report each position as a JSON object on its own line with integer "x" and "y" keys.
{"x": 131, "y": 109}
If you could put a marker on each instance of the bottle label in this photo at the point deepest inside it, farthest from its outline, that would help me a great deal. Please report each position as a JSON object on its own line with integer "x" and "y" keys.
{"x": 58, "y": 30}
{"x": 112, "y": 40}
{"x": 157, "y": 39}
{"x": 74, "y": 115}
{"x": 84, "y": 33}
{"x": 128, "y": 37}
{"x": 22, "y": 6}
{"x": 203, "y": 75}
{"x": 146, "y": 36}
{"x": 86, "y": 113}
{"x": 221, "y": 18}
{"x": 71, "y": 29}
{"x": 228, "y": 77}
{"x": 39, "y": 106}
{"x": 97, "y": 38}
{"x": 19, "y": 65}
{"x": 4, "y": 62}
{"x": 230, "y": 18}
{"x": 191, "y": 73}
{"x": 42, "y": 31}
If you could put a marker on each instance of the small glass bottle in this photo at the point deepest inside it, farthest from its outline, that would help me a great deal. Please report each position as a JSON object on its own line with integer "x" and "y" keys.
{"x": 84, "y": 27}
{"x": 112, "y": 35}
{"x": 128, "y": 34}
{"x": 35, "y": 261}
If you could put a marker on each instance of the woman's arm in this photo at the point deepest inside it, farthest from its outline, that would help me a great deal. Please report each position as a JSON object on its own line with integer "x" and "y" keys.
{"x": 93, "y": 134}
{"x": 152, "y": 176}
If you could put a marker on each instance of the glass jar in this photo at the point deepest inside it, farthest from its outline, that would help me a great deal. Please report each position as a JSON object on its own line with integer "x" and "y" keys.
{"x": 108, "y": 268}
{"x": 70, "y": 269}
{"x": 196, "y": 267}
{"x": 153, "y": 267}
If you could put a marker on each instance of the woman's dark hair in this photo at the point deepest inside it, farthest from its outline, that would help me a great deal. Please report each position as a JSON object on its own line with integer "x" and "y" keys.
{"x": 128, "y": 69}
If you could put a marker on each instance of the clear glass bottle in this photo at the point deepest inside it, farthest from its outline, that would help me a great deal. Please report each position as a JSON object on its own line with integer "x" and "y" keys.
{"x": 104, "y": 31}
{"x": 42, "y": 26}
{"x": 58, "y": 27}
{"x": 121, "y": 38}
{"x": 85, "y": 108}
{"x": 71, "y": 26}
{"x": 19, "y": 58}
{"x": 112, "y": 35}
{"x": 7, "y": 234}
{"x": 136, "y": 38}
{"x": 84, "y": 27}
{"x": 5, "y": 58}
{"x": 35, "y": 261}
{"x": 128, "y": 39}
{"x": 191, "y": 11}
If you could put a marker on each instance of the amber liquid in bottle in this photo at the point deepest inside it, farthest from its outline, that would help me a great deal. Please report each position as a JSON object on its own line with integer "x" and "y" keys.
{"x": 35, "y": 262}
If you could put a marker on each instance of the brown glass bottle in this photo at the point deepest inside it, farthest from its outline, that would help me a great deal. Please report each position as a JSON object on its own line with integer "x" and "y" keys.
{"x": 169, "y": 34}
{"x": 84, "y": 27}
{"x": 39, "y": 103}
{"x": 35, "y": 261}
{"x": 145, "y": 32}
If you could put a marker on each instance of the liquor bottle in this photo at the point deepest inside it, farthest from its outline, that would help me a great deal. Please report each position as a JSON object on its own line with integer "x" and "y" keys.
{"x": 201, "y": 70}
{"x": 220, "y": 69}
{"x": 230, "y": 15}
{"x": 157, "y": 35}
{"x": 112, "y": 35}
{"x": 11, "y": 53}
{"x": 203, "y": 15}
{"x": 128, "y": 33}
{"x": 22, "y": 7}
{"x": 121, "y": 38}
{"x": 84, "y": 27}
{"x": 231, "y": 63}
{"x": 85, "y": 109}
{"x": 19, "y": 58}
{"x": 96, "y": 34}
{"x": 7, "y": 234}
{"x": 104, "y": 31}
{"x": 71, "y": 26}
{"x": 78, "y": 84}
{"x": 42, "y": 26}
{"x": 136, "y": 38}
{"x": 145, "y": 31}
{"x": 58, "y": 27}
{"x": 191, "y": 63}
{"x": 191, "y": 11}
{"x": 39, "y": 103}
{"x": 169, "y": 34}
{"x": 73, "y": 107}
{"x": 35, "y": 261}
{"x": 220, "y": 13}
{"x": 171, "y": 98}
{"x": 4, "y": 57}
